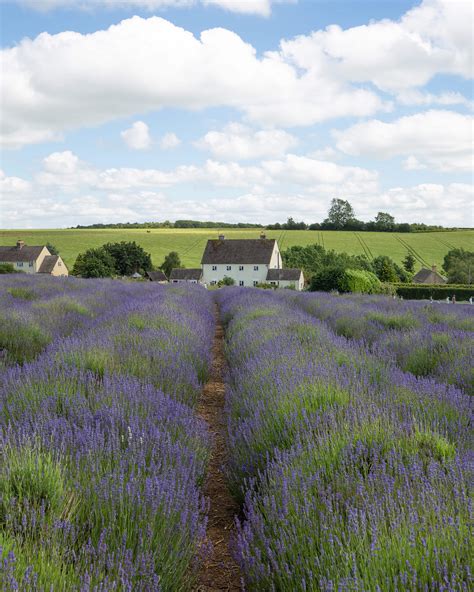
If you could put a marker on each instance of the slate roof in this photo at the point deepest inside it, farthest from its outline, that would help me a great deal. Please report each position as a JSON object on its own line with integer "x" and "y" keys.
{"x": 14, "y": 254}
{"x": 48, "y": 263}
{"x": 157, "y": 276}
{"x": 186, "y": 274}
{"x": 428, "y": 276}
{"x": 283, "y": 275}
{"x": 238, "y": 251}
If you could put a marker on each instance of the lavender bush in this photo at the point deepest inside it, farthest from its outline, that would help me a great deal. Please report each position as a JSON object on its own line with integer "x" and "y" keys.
{"x": 101, "y": 453}
{"x": 354, "y": 474}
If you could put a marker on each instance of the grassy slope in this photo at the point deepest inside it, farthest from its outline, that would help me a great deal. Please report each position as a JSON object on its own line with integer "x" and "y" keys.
{"x": 429, "y": 248}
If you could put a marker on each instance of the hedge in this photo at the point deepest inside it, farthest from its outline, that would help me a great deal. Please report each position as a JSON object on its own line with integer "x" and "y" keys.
{"x": 437, "y": 292}
{"x": 357, "y": 280}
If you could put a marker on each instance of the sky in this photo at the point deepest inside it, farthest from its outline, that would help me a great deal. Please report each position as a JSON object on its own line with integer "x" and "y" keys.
{"x": 235, "y": 110}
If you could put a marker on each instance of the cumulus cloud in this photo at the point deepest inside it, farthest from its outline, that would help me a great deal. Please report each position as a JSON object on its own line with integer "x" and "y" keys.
{"x": 137, "y": 137}
{"x": 169, "y": 141}
{"x": 240, "y": 142}
{"x": 438, "y": 139}
{"x": 65, "y": 81}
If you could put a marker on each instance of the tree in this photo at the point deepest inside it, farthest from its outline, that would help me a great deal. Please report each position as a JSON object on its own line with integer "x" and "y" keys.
{"x": 226, "y": 281}
{"x": 340, "y": 214}
{"x": 7, "y": 268}
{"x": 387, "y": 270}
{"x": 384, "y": 222}
{"x": 129, "y": 257}
{"x": 459, "y": 266}
{"x": 409, "y": 263}
{"x": 172, "y": 261}
{"x": 94, "y": 263}
{"x": 52, "y": 249}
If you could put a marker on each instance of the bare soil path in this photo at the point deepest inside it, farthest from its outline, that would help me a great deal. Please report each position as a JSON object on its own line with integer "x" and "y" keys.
{"x": 220, "y": 571}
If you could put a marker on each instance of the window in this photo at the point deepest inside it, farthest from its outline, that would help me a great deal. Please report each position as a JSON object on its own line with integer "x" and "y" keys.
{"x": 19, "y": 264}
{"x": 273, "y": 283}
{"x": 213, "y": 282}
{"x": 214, "y": 268}
{"x": 31, "y": 263}
{"x": 255, "y": 282}
{"x": 255, "y": 267}
{"x": 59, "y": 263}
{"x": 241, "y": 267}
{"x": 229, "y": 267}
{"x": 241, "y": 282}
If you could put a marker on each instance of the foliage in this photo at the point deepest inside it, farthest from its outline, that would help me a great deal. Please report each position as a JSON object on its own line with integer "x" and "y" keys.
{"x": 172, "y": 261}
{"x": 409, "y": 262}
{"x": 435, "y": 291}
{"x": 7, "y": 268}
{"x": 326, "y": 280}
{"x": 52, "y": 249}
{"x": 94, "y": 263}
{"x": 387, "y": 270}
{"x": 384, "y": 222}
{"x": 129, "y": 257}
{"x": 459, "y": 266}
{"x": 340, "y": 214}
{"x": 226, "y": 281}
{"x": 358, "y": 280}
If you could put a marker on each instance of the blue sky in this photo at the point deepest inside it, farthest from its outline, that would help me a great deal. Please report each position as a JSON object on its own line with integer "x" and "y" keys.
{"x": 236, "y": 110}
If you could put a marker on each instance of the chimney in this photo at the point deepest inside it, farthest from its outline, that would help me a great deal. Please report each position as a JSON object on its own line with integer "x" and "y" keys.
{"x": 20, "y": 244}
{"x": 221, "y": 237}
{"x": 263, "y": 235}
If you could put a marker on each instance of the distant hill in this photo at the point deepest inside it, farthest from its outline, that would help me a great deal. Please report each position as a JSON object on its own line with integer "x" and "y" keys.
{"x": 427, "y": 247}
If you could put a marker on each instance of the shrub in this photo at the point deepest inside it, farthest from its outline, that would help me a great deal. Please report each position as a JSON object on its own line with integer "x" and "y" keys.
{"x": 357, "y": 280}
{"x": 437, "y": 292}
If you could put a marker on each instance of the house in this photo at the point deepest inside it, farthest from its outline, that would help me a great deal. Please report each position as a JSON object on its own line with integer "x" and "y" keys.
{"x": 428, "y": 276}
{"x": 286, "y": 278}
{"x": 246, "y": 261}
{"x": 33, "y": 259}
{"x": 192, "y": 276}
{"x": 157, "y": 276}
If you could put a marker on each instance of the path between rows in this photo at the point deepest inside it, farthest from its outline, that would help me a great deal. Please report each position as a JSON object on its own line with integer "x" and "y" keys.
{"x": 219, "y": 571}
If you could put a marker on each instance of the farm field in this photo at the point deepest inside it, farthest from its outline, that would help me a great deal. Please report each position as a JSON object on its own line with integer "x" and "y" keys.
{"x": 428, "y": 248}
{"x": 343, "y": 437}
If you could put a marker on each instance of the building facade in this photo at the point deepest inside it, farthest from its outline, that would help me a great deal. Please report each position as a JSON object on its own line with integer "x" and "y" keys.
{"x": 182, "y": 276}
{"x": 246, "y": 261}
{"x": 36, "y": 259}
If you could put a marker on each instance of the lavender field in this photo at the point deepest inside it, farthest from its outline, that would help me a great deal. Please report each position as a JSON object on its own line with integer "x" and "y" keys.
{"x": 348, "y": 427}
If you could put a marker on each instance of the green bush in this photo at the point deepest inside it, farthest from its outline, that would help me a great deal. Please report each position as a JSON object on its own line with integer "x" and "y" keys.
{"x": 357, "y": 280}
{"x": 437, "y": 292}
{"x": 7, "y": 268}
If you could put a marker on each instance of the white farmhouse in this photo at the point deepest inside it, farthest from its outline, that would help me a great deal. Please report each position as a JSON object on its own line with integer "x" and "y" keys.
{"x": 247, "y": 261}
{"x": 35, "y": 259}
{"x": 184, "y": 276}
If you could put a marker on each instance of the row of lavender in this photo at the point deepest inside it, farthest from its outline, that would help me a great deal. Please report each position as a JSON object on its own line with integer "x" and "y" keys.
{"x": 353, "y": 474}
{"x": 101, "y": 453}
{"x": 426, "y": 339}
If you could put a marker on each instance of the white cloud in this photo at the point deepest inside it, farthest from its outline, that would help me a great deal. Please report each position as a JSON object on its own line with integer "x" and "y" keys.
{"x": 169, "y": 141}
{"x": 240, "y": 142}
{"x": 415, "y": 97}
{"x": 65, "y": 81}
{"x": 137, "y": 137}
{"x": 438, "y": 139}
{"x": 256, "y": 7}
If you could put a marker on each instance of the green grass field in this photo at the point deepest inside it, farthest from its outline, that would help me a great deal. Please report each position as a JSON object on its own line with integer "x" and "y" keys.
{"x": 428, "y": 248}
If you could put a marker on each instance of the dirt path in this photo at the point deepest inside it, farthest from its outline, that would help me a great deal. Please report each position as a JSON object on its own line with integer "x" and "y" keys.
{"x": 219, "y": 572}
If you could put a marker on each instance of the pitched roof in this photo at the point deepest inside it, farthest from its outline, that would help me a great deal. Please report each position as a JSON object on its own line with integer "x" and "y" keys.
{"x": 157, "y": 276}
{"x": 186, "y": 274}
{"x": 13, "y": 254}
{"x": 285, "y": 275}
{"x": 239, "y": 251}
{"x": 428, "y": 276}
{"x": 48, "y": 263}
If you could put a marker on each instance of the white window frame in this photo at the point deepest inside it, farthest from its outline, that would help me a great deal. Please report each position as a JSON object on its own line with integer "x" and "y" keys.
{"x": 19, "y": 264}
{"x": 255, "y": 267}
{"x": 255, "y": 282}
{"x": 241, "y": 267}
{"x": 214, "y": 268}
{"x": 31, "y": 263}
{"x": 241, "y": 283}
{"x": 229, "y": 268}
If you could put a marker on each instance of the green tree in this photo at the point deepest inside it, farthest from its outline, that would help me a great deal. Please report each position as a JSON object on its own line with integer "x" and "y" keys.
{"x": 384, "y": 268}
{"x": 340, "y": 214}
{"x": 172, "y": 261}
{"x": 459, "y": 266}
{"x": 7, "y": 268}
{"x": 226, "y": 281}
{"x": 129, "y": 257}
{"x": 94, "y": 263}
{"x": 384, "y": 222}
{"x": 409, "y": 263}
{"x": 52, "y": 249}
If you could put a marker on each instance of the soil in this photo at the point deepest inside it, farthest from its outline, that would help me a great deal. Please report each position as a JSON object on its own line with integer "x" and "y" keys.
{"x": 219, "y": 572}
